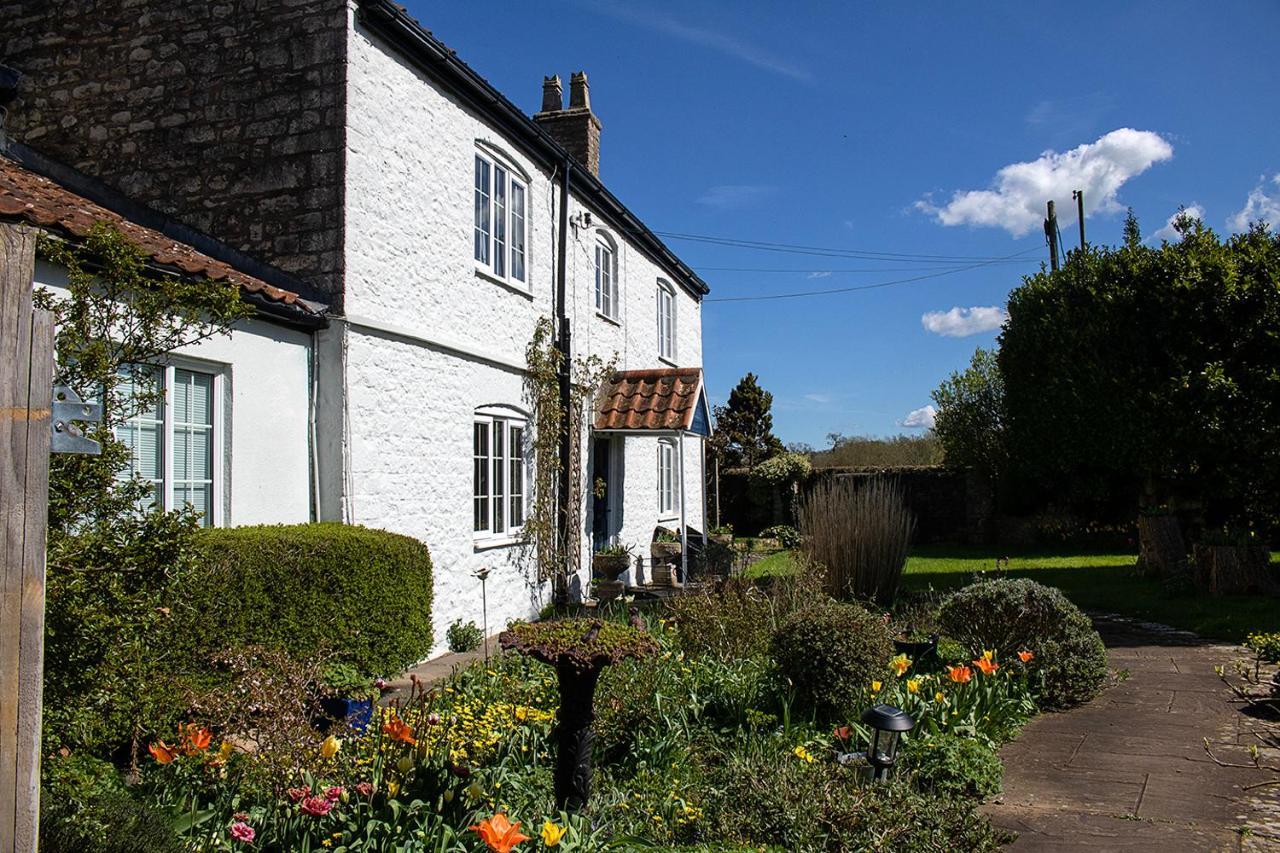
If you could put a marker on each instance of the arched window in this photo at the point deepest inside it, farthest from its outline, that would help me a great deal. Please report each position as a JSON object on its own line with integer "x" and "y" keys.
{"x": 498, "y": 493}
{"x": 666, "y": 321}
{"x": 501, "y": 218}
{"x": 606, "y": 255}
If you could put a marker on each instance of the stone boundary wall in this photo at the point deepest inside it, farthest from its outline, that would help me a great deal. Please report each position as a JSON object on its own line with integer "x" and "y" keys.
{"x": 226, "y": 116}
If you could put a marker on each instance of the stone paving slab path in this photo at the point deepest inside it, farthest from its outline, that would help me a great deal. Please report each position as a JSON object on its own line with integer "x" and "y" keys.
{"x": 1129, "y": 770}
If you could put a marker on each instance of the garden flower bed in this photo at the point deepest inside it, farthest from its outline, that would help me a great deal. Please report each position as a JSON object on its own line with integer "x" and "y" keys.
{"x": 694, "y": 748}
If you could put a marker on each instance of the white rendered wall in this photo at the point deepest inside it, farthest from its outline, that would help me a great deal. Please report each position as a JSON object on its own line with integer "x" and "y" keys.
{"x": 431, "y": 339}
{"x": 265, "y": 430}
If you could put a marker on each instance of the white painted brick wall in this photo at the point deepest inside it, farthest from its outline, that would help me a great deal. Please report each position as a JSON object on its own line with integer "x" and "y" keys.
{"x": 410, "y": 160}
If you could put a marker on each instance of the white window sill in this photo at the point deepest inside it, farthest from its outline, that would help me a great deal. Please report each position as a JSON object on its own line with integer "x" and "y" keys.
{"x": 513, "y": 286}
{"x": 675, "y": 516}
{"x": 497, "y": 542}
{"x": 614, "y": 320}
{"x": 670, "y": 361}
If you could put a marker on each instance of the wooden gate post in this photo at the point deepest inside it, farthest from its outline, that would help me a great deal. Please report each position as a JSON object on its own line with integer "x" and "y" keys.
{"x": 26, "y": 388}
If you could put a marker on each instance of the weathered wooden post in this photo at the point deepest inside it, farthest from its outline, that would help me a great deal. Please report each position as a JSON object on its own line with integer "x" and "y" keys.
{"x": 26, "y": 382}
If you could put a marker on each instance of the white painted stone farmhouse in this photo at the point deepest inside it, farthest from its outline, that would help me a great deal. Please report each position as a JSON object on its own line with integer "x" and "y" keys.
{"x": 406, "y": 217}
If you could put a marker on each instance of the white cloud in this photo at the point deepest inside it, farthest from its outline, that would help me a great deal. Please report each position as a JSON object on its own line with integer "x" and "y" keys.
{"x": 921, "y": 418}
{"x": 735, "y": 196}
{"x": 962, "y": 322}
{"x": 820, "y": 399}
{"x": 1169, "y": 231}
{"x": 1259, "y": 207}
{"x": 1016, "y": 200}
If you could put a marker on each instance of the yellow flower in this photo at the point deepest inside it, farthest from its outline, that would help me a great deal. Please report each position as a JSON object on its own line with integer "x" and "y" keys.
{"x": 938, "y": 697}
{"x": 475, "y": 792}
{"x": 913, "y": 685}
{"x": 552, "y": 833}
{"x": 803, "y": 754}
{"x": 393, "y": 788}
{"x": 988, "y": 654}
{"x": 224, "y": 751}
{"x": 328, "y": 748}
{"x": 875, "y": 686}
{"x": 900, "y": 664}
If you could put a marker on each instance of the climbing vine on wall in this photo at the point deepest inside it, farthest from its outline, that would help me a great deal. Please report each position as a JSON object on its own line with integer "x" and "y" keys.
{"x": 552, "y": 549}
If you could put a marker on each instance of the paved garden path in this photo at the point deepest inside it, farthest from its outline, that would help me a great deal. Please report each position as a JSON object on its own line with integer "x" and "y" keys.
{"x": 1129, "y": 770}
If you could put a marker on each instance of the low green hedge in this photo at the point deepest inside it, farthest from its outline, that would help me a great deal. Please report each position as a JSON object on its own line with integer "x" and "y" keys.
{"x": 363, "y": 595}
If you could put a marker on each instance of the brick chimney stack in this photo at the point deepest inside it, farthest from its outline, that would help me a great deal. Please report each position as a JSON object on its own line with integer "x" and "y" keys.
{"x": 576, "y": 129}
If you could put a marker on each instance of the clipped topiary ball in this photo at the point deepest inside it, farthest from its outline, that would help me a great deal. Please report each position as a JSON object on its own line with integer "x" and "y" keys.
{"x": 1014, "y": 615}
{"x": 831, "y": 653}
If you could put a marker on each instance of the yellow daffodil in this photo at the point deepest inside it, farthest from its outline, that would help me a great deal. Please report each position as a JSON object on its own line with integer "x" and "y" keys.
{"x": 913, "y": 685}
{"x": 803, "y": 754}
{"x": 330, "y": 747}
{"x": 900, "y": 664}
{"x": 393, "y": 788}
{"x": 938, "y": 697}
{"x": 224, "y": 751}
{"x": 875, "y": 686}
{"x": 552, "y": 833}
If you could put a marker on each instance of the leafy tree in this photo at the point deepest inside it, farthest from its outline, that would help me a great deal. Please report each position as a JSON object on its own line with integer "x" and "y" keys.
{"x": 971, "y": 416}
{"x": 113, "y": 563}
{"x": 1151, "y": 374}
{"x": 745, "y": 426}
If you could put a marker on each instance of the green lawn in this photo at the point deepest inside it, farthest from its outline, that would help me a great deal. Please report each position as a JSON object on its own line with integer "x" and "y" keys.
{"x": 1095, "y": 581}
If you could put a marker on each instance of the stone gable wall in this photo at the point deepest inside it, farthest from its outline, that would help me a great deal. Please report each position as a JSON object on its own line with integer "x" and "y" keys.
{"x": 227, "y": 116}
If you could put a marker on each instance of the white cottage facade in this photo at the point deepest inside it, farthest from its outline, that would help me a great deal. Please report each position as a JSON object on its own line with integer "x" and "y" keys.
{"x": 398, "y": 402}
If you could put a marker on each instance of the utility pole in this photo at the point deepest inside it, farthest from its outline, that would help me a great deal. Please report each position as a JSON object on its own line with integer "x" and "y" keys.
{"x": 1051, "y": 231}
{"x": 1078, "y": 195}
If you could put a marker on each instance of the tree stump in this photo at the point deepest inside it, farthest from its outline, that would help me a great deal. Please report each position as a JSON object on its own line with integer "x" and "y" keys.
{"x": 1234, "y": 569}
{"x": 1162, "y": 551}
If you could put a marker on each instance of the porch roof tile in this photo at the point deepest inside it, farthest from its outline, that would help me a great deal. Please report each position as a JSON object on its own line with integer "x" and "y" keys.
{"x": 657, "y": 399}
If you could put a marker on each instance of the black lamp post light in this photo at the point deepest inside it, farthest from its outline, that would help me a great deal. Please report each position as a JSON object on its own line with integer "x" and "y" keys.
{"x": 887, "y": 725}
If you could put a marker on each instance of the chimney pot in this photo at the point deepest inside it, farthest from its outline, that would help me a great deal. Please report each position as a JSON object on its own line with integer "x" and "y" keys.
{"x": 552, "y": 94}
{"x": 579, "y": 91}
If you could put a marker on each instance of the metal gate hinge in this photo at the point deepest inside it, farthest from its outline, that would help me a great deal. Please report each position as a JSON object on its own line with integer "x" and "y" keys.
{"x": 68, "y": 410}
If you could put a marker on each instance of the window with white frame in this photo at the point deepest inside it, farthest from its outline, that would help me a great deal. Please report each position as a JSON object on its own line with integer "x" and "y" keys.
{"x": 607, "y": 277}
{"x": 666, "y": 321}
{"x": 498, "y": 494}
{"x": 667, "y": 483}
{"x": 174, "y": 438}
{"x": 501, "y": 221}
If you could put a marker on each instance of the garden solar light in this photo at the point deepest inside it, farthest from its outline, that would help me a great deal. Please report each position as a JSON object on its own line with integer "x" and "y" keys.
{"x": 886, "y": 723}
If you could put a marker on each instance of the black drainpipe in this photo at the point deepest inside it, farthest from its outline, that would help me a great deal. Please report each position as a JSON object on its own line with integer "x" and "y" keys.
{"x": 560, "y": 579}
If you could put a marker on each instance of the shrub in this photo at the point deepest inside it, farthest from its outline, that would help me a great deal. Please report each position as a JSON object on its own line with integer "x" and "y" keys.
{"x": 463, "y": 637}
{"x": 84, "y": 808}
{"x": 739, "y": 618}
{"x": 860, "y": 534}
{"x": 1008, "y": 616}
{"x": 1267, "y": 646}
{"x": 958, "y": 766}
{"x": 364, "y": 595}
{"x": 787, "y": 536}
{"x": 758, "y": 798}
{"x": 831, "y": 653}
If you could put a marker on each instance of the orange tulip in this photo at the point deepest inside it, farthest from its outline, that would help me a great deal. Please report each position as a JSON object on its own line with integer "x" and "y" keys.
{"x": 399, "y": 730}
{"x": 1025, "y": 656}
{"x": 162, "y": 752}
{"x": 987, "y": 665}
{"x": 499, "y": 834}
{"x": 960, "y": 674}
{"x": 195, "y": 738}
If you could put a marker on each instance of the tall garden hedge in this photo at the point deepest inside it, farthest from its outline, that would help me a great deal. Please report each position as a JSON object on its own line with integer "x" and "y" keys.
{"x": 362, "y": 595}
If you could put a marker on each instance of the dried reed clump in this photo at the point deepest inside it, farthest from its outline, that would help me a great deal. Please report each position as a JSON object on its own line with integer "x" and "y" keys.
{"x": 860, "y": 533}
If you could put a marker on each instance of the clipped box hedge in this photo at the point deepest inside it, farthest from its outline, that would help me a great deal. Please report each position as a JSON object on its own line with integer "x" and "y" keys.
{"x": 362, "y": 595}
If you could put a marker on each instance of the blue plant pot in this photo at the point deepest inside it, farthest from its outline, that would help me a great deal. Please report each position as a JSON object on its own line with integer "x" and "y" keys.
{"x": 356, "y": 713}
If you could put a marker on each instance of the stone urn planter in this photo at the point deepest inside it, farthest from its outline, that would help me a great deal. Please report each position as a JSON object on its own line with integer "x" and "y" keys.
{"x": 665, "y": 556}
{"x": 610, "y": 565}
{"x": 578, "y": 649}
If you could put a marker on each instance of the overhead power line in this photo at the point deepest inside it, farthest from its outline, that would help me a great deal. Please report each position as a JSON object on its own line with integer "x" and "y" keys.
{"x": 821, "y": 251}
{"x": 877, "y": 285}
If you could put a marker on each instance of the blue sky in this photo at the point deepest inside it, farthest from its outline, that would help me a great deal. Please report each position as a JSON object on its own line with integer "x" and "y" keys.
{"x": 886, "y": 130}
